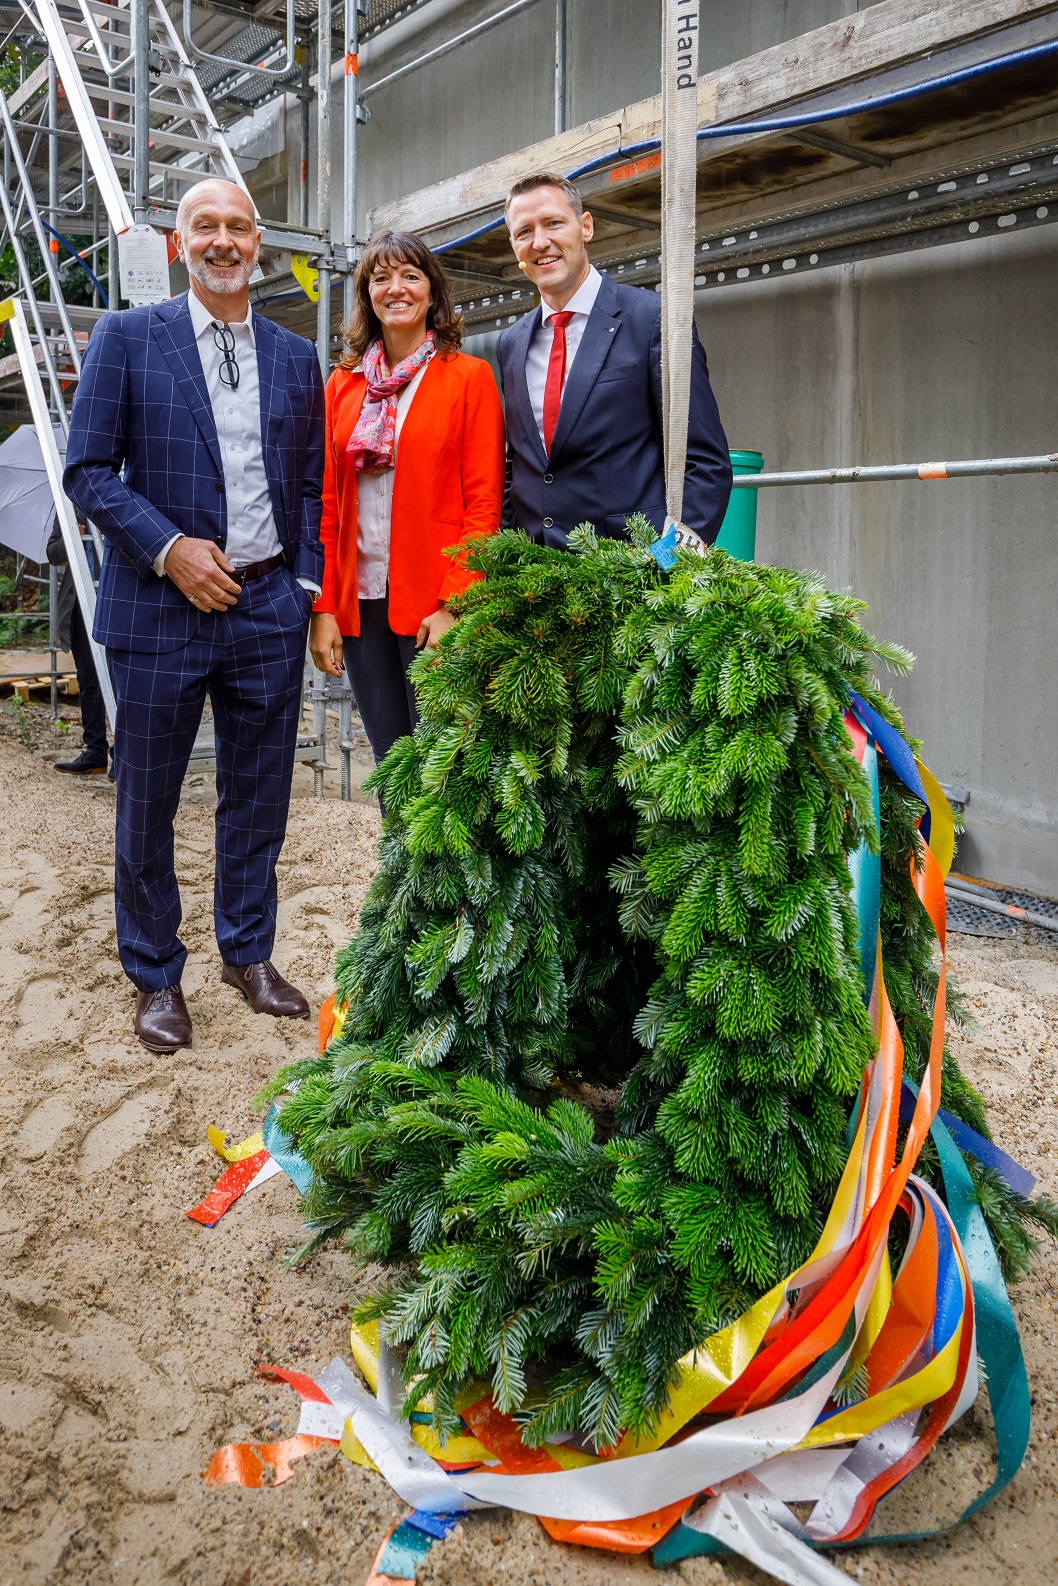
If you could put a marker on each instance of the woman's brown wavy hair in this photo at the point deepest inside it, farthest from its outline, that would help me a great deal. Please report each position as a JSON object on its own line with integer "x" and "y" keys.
{"x": 398, "y": 247}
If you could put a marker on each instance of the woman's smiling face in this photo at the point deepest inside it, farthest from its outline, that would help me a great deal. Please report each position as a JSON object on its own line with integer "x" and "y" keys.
{"x": 400, "y": 296}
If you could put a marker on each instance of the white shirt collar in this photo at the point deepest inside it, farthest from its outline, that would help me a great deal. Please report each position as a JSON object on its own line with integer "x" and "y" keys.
{"x": 202, "y": 319}
{"x": 582, "y": 301}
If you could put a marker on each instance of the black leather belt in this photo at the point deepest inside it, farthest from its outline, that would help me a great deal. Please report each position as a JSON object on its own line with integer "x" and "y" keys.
{"x": 243, "y": 575}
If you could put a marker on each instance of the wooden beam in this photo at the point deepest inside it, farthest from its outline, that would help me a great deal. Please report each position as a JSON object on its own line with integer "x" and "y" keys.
{"x": 881, "y": 37}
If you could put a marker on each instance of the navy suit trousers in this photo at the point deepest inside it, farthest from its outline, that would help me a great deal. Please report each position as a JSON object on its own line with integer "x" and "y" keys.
{"x": 249, "y": 660}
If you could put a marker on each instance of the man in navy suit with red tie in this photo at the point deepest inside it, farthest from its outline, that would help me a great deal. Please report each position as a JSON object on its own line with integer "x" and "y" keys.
{"x": 581, "y": 379}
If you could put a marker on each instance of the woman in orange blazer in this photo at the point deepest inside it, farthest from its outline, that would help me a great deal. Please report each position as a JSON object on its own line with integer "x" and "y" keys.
{"x": 414, "y": 463}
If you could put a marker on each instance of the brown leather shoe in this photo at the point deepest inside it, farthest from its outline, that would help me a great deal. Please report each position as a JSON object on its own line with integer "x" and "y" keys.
{"x": 162, "y": 1022}
{"x": 266, "y": 991}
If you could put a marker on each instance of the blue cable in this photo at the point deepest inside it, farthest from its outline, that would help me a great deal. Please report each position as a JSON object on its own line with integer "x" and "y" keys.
{"x": 803, "y": 118}
{"x": 85, "y": 266}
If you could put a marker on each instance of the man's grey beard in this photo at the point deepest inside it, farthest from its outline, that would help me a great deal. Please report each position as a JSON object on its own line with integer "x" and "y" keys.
{"x": 220, "y": 281}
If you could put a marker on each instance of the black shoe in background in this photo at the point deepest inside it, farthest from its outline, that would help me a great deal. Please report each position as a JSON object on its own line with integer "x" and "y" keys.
{"x": 85, "y": 764}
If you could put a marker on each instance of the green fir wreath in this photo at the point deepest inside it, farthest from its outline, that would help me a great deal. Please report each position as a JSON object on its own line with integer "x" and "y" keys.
{"x": 605, "y": 1010}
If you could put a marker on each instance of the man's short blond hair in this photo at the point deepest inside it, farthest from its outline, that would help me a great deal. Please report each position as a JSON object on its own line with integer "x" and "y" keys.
{"x": 529, "y": 184}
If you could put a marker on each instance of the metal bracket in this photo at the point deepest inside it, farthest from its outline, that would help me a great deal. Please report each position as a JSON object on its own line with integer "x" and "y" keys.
{"x": 345, "y": 259}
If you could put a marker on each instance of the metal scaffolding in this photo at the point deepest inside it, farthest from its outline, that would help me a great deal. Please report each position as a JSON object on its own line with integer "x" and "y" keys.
{"x": 807, "y": 162}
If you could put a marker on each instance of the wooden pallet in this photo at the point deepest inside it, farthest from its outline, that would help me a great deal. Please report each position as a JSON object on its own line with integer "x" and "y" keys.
{"x": 22, "y": 687}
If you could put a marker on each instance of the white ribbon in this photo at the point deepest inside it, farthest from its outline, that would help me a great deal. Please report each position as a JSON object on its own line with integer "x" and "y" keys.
{"x": 746, "y": 1530}
{"x": 412, "y": 1474}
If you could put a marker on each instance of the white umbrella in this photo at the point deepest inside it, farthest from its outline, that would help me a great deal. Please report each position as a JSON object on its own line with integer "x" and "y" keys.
{"x": 27, "y": 510}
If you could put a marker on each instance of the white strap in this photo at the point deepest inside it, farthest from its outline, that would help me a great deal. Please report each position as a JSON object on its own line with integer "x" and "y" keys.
{"x": 679, "y": 169}
{"x": 748, "y": 1531}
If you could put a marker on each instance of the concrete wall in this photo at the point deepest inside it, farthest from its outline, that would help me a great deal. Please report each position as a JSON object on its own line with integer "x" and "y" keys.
{"x": 944, "y": 354}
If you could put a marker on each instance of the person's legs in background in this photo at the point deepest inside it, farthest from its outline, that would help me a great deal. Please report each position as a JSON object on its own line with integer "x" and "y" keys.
{"x": 93, "y": 757}
{"x": 377, "y": 666}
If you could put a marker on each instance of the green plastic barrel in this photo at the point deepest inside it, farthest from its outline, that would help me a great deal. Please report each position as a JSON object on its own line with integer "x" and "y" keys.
{"x": 738, "y": 532}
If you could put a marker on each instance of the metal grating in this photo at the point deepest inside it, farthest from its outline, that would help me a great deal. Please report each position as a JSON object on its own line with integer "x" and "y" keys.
{"x": 383, "y": 12}
{"x": 962, "y": 916}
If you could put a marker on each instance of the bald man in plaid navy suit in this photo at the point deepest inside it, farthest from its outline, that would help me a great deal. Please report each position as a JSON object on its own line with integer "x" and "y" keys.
{"x": 196, "y": 447}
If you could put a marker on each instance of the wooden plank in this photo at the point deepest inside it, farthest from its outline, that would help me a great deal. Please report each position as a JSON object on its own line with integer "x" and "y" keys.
{"x": 22, "y": 95}
{"x": 31, "y": 663}
{"x": 882, "y": 36}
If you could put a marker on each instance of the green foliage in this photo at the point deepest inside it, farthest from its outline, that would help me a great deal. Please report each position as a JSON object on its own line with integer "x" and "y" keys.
{"x": 615, "y": 852}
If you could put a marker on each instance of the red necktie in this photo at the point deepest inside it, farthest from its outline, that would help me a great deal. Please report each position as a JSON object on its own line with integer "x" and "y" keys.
{"x": 556, "y": 376}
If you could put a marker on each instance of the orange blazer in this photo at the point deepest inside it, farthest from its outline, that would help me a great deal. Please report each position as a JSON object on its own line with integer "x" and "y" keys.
{"x": 447, "y": 483}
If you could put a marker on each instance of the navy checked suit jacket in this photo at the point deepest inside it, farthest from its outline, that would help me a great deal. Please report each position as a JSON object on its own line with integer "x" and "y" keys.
{"x": 607, "y": 454}
{"x": 143, "y": 461}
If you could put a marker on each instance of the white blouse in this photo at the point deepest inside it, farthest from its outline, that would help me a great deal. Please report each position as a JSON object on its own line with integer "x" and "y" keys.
{"x": 374, "y": 510}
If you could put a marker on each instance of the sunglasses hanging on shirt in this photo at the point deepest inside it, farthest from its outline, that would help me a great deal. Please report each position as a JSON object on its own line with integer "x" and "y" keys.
{"x": 224, "y": 340}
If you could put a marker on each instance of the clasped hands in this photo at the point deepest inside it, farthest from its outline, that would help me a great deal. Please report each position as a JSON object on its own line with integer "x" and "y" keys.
{"x": 325, "y": 638}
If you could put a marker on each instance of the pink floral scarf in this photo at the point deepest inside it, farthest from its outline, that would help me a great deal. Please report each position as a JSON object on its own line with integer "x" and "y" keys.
{"x": 374, "y": 439}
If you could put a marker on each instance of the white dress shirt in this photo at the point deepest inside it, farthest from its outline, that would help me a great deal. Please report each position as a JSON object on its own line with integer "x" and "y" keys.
{"x": 252, "y": 532}
{"x": 580, "y": 306}
{"x": 374, "y": 509}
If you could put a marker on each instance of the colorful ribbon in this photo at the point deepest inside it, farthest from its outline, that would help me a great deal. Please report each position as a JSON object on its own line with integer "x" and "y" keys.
{"x": 252, "y": 1162}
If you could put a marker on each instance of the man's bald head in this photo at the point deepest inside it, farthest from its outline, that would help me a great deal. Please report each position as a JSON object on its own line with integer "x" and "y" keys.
{"x": 214, "y": 191}
{"x": 217, "y": 237}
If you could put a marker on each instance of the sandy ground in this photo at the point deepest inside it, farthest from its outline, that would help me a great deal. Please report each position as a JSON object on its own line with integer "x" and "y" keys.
{"x": 130, "y": 1334}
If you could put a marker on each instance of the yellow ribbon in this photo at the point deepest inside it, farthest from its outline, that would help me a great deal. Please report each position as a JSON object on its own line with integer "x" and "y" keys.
{"x": 941, "y": 823}
{"x": 218, "y": 1139}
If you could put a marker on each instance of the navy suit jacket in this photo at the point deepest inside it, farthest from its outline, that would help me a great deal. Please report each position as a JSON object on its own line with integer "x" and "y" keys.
{"x": 143, "y": 462}
{"x": 607, "y": 452}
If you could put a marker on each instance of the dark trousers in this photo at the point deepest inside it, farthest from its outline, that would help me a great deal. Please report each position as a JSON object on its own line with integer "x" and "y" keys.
{"x": 249, "y": 660}
{"x": 93, "y": 714}
{"x": 377, "y": 665}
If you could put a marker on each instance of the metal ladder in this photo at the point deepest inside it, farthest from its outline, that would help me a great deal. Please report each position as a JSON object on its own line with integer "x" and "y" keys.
{"x": 45, "y": 338}
{"x": 137, "y": 44}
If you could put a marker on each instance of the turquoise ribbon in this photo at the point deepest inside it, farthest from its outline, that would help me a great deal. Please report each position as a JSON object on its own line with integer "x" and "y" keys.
{"x": 282, "y": 1149}
{"x": 866, "y": 871}
{"x": 406, "y": 1548}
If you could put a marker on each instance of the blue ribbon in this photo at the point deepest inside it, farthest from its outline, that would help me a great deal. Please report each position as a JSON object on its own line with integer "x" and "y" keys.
{"x": 896, "y": 750}
{"x": 435, "y": 1525}
{"x": 1018, "y": 1178}
{"x": 406, "y": 1548}
{"x": 664, "y": 550}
